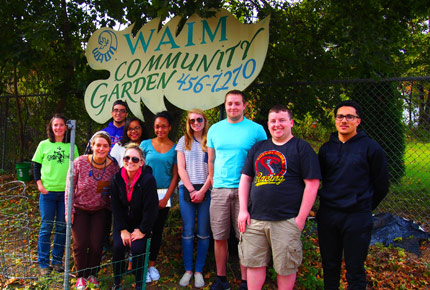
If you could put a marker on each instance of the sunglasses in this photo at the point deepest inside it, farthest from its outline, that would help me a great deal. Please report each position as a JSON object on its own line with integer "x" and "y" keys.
{"x": 133, "y": 159}
{"x": 199, "y": 120}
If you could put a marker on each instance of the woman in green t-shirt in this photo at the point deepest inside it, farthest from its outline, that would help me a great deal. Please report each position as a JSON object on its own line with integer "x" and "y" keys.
{"x": 51, "y": 162}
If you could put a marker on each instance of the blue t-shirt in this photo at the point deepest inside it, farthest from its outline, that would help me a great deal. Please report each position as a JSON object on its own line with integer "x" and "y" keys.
{"x": 231, "y": 142}
{"x": 161, "y": 163}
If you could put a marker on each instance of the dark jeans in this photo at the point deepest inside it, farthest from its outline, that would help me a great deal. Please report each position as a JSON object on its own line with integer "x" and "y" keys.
{"x": 157, "y": 233}
{"x": 347, "y": 233}
{"x": 138, "y": 249}
{"x": 87, "y": 232}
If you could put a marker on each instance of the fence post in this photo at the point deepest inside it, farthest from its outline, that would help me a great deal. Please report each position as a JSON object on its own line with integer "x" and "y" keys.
{"x": 3, "y": 151}
{"x": 145, "y": 264}
{"x": 71, "y": 124}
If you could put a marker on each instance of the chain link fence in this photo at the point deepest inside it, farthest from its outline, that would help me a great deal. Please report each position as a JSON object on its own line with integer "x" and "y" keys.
{"x": 396, "y": 113}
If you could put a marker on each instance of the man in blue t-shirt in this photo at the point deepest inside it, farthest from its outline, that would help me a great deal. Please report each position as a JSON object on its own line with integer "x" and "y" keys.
{"x": 228, "y": 144}
{"x": 280, "y": 180}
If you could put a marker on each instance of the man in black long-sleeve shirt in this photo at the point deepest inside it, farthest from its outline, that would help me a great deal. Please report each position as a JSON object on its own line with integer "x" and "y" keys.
{"x": 354, "y": 181}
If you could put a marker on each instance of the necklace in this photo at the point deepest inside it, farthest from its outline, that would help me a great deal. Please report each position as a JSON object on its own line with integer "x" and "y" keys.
{"x": 92, "y": 173}
{"x": 92, "y": 159}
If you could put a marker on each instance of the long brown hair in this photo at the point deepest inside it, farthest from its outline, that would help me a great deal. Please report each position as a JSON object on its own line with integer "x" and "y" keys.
{"x": 50, "y": 132}
{"x": 190, "y": 133}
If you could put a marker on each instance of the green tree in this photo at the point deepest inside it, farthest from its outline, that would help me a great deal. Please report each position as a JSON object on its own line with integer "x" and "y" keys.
{"x": 311, "y": 42}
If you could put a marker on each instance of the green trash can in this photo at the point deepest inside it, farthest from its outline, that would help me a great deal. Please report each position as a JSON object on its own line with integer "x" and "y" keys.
{"x": 23, "y": 171}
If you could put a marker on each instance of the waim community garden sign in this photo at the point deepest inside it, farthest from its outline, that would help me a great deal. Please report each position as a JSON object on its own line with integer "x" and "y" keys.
{"x": 192, "y": 68}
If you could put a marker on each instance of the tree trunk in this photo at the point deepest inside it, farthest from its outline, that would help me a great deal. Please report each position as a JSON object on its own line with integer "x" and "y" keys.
{"x": 19, "y": 116}
{"x": 421, "y": 105}
{"x": 426, "y": 114}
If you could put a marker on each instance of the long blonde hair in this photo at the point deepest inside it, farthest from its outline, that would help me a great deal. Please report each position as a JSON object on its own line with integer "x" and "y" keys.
{"x": 190, "y": 133}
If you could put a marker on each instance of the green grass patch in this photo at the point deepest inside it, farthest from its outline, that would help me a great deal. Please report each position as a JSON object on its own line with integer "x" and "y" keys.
{"x": 417, "y": 161}
{"x": 410, "y": 197}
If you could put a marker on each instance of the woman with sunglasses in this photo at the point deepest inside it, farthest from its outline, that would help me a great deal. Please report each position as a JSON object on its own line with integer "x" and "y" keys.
{"x": 134, "y": 207}
{"x": 161, "y": 156}
{"x": 51, "y": 162}
{"x": 90, "y": 207}
{"x": 194, "y": 194}
{"x": 134, "y": 132}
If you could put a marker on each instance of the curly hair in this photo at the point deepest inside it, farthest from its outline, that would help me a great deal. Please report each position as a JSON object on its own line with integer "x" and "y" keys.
{"x": 125, "y": 139}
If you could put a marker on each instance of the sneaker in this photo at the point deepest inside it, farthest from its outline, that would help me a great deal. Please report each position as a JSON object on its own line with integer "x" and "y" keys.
{"x": 148, "y": 278}
{"x": 45, "y": 271}
{"x": 185, "y": 280}
{"x": 81, "y": 284}
{"x": 93, "y": 280}
{"x": 58, "y": 268}
{"x": 153, "y": 272}
{"x": 220, "y": 285}
{"x": 243, "y": 286}
{"x": 199, "y": 282}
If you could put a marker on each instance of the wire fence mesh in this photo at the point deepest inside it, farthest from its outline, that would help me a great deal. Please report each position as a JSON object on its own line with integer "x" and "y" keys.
{"x": 396, "y": 113}
{"x": 15, "y": 256}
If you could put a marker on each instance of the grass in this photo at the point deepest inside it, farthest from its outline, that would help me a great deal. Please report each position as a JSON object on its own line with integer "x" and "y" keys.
{"x": 417, "y": 161}
{"x": 410, "y": 198}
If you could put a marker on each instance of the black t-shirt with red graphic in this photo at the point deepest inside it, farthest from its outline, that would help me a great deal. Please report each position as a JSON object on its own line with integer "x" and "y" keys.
{"x": 278, "y": 174}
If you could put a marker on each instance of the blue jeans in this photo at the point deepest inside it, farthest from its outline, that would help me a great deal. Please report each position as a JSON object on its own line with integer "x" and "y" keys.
{"x": 188, "y": 213}
{"x": 51, "y": 209}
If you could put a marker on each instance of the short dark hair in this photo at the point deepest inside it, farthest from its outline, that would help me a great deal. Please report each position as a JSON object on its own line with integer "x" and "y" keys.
{"x": 120, "y": 102}
{"x": 235, "y": 92}
{"x": 50, "y": 132}
{"x": 125, "y": 139}
{"x": 279, "y": 107}
{"x": 166, "y": 115}
{"x": 349, "y": 103}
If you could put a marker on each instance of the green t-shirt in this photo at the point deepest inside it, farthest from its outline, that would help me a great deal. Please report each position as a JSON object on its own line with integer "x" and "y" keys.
{"x": 54, "y": 158}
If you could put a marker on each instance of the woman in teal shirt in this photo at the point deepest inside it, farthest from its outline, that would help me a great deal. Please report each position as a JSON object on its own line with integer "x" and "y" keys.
{"x": 161, "y": 157}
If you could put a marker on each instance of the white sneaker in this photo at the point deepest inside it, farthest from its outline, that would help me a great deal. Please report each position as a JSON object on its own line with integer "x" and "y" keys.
{"x": 153, "y": 272}
{"x": 148, "y": 278}
{"x": 199, "y": 282}
{"x": 185, "y": 280}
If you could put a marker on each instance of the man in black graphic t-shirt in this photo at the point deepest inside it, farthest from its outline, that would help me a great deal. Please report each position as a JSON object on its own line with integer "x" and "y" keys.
{"x": 280, "y": 180}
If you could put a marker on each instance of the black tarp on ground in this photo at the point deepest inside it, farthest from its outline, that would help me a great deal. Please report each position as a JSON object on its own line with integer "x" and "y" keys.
{"x": 393, "y": 230}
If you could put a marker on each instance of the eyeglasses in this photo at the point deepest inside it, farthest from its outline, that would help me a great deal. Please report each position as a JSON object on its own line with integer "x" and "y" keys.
{"x": 199, "y": 120}
{"x": 133, "y": 159}
{"x": 349, "y": 118}
{"x": 122, "y": 111}
{"x": 133, "y": 129}
{"x": 162, "y": 127}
